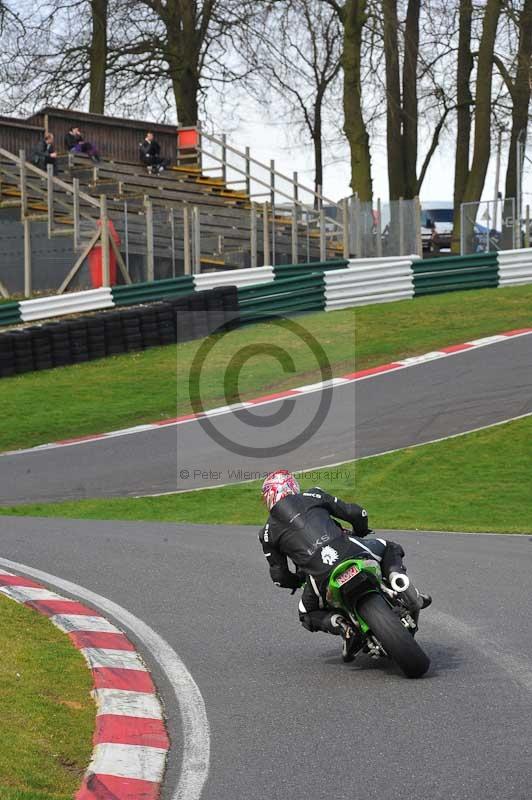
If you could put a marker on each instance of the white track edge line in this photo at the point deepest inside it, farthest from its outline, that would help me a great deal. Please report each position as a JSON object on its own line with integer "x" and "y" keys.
{"x": 341, "y": 463}
{"x": 474, "y": 344}
{"x": 196, "y": 732}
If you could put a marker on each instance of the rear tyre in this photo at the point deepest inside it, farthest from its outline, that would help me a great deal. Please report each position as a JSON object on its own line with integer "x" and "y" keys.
{"x": 393, "y": 636}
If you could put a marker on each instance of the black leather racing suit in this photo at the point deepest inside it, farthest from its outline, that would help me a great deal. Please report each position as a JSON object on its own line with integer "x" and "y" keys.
{"x": 301, "y": 528}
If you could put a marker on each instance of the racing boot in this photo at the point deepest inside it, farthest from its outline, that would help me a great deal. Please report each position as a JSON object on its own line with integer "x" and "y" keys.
{"x": 352, "y": 640}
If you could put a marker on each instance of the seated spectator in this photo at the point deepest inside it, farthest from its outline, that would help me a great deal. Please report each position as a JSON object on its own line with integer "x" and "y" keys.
{"x": 150, "y": 154}
{"x": 75, "y": 143}
{"x": 45, "y": 153}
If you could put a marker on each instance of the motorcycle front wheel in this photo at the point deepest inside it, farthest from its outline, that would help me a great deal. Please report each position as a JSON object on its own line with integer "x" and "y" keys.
{"x": 393, "y": 636}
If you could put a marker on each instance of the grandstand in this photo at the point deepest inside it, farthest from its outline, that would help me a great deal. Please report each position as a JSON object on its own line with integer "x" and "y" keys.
{"x": 213, "y": 208}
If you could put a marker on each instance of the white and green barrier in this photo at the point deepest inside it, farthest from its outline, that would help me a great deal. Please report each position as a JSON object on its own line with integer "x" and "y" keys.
{"x": 62, "y": 304}
{"x": 515, "y": 267}
{"x": 368, "y": 281}
{"x": 344, "y": 284}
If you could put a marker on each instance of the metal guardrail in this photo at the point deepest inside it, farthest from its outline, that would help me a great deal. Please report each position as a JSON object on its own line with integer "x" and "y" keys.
{"x": 455, "y": 273}
{"x": 515, "y": 267}
{"x": 369, "y": 281}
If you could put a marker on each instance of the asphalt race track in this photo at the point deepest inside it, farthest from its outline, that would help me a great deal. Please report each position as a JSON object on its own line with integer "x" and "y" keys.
{"x": 288, "y": 719}
{"x": 424, "y": 402}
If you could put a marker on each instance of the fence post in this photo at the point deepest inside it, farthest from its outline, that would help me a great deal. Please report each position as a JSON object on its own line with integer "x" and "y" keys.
{"x": 23, "y": 187}
{"x": 272, "y": 182}
{"x": 248, "y": 172}
{"x": 358, "y": 228}
{"x": 265, "y": 236}
{"x": 253, "y": 242}
{"x": 197, "y": 240}
{"x": 50, "y": 198}
{"x": 104, "y": 235}
{"x": 172, "y": 232}
{"x": 401, "y": 227}
{"x": 224, "y": 157}
{"x": 323, "y": 240}
{"x": 379, "y": 228}
{"x": 150, "y": 261}
{"x": 419, "y": 241}
{"x": 295, "y": 249}
{"x": 186, "y": 241}
{"x": 75, "y": 211}
{"x": 274, "y": 241}
{"x": 345, "y": 215}
{"x": 527, "y": 226}
{"x": 126, "y": 235}
{"x": 27, "y": 258}
{"x": 462, "y": 239}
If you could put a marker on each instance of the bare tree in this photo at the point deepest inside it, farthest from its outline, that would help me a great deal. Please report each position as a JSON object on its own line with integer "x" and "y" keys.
{"x": 98, "y": 52}
{"x": 471, "y": 179}
{"x": 418, "y": 78}
{"x": 353, "y": 15}
{"x": 518, "y": 85}
{"x": 292, "y": 50}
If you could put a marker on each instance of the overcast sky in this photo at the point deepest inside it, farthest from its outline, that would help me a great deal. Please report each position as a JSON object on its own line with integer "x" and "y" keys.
{"x": 291, "y": 152}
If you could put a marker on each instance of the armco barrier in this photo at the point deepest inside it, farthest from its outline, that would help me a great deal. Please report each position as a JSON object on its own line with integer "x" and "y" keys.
{"x": 365, "y": 282}
{"x": 454, "y": 273}
{"x": 282, "y": 271}
{"x": 152, "y": 291}
{"x": 10, "y": 313}
{"x": 515, "y": 267}
{"x": 234, "y": 277}
{"x": 282, "y": 297}
{"x": 61, "y": 304}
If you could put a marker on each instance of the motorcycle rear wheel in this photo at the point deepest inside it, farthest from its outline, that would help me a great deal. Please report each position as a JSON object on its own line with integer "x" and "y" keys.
{"x": 393, "y": 636}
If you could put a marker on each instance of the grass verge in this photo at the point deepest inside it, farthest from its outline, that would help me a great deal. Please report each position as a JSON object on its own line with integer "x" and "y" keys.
{"x": 45, "y": 706}
{"x": 477, "y": 482}
{"x": 154, "y": 384}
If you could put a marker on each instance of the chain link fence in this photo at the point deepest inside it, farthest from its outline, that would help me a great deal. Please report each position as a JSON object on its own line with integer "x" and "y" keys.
{"x": 393, "y": 229}
{"x": 489, "y": 226}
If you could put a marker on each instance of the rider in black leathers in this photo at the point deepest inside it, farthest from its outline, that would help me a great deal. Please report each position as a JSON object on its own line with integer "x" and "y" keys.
{"x": 300, "y": 527}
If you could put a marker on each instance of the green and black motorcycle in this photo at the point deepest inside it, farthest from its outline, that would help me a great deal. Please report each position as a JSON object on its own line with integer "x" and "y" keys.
{"x": 381, "y": 615}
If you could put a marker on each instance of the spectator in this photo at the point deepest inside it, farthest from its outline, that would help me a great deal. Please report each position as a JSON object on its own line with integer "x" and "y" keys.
{"x": 150, "y": 154}
{"x": 75, "y": 143}
{"x": 45, "y": 153}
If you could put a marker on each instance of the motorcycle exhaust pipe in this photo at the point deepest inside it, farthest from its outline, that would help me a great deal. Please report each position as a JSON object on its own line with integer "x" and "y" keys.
{"x": 399, "y": 581}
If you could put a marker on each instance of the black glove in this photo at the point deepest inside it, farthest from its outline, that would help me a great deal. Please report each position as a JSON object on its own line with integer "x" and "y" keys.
{"x": 301, "y": 578}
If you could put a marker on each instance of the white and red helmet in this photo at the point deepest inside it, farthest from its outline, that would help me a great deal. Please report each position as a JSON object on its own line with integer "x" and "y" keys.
{"x": 277, "y": 485}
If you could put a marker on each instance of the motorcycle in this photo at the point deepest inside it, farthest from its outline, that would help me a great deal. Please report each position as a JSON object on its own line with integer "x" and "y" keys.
{"x": 380, "y": 612}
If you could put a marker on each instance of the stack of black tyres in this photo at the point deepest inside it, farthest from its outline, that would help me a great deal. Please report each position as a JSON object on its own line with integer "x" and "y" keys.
{"x": 131, "y": 330}
{"x": 166, "y": 322}
{"x": 23, "y": 351}
{"x": 60, "y": 344}
{"x": 231, "y": 307}
{"x": 41, "y": 347}
{"x": 79, "y": 345}
{"x": 7, "y": 357}
{"x": 96, "y": 336}
{"x": 55, "y": 344}
{"x": 149, "y": 328}
{"x": 114, "y": 338}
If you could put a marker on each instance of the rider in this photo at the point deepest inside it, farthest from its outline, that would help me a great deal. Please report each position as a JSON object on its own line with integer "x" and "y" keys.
{"x": 300, "y": 527}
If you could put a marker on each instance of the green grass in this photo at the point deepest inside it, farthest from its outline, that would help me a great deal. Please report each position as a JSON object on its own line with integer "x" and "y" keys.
{"x": 143, "y": 387}
{"x": 478, "y": 482}
{"x": 45, "y": 706}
